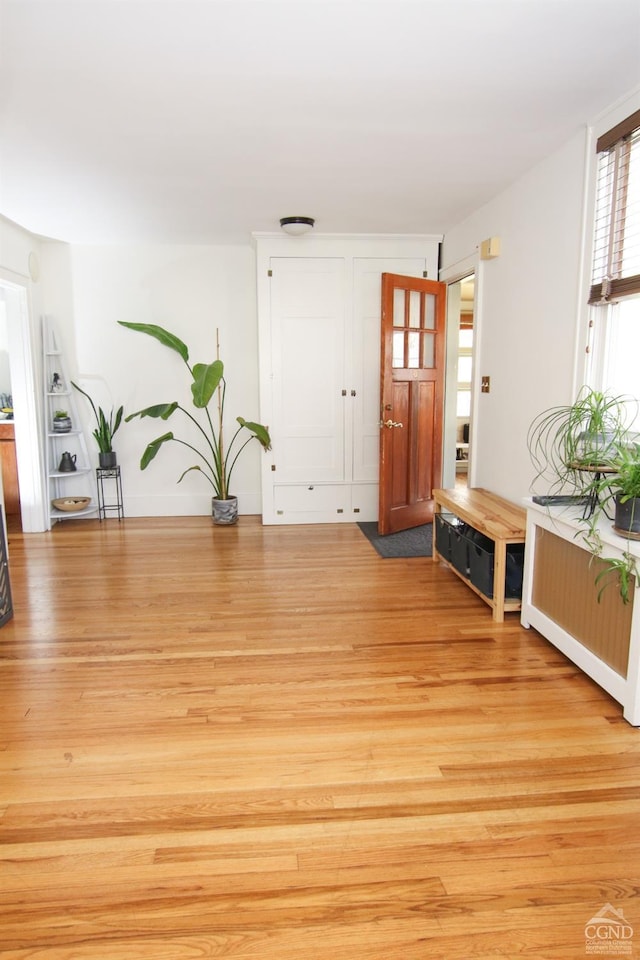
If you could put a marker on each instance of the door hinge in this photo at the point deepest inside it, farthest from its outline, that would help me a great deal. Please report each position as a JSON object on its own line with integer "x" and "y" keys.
{"x": 273, "y": 468}
{"x": 269, "y": 273}
{"x": 425, "y": 274}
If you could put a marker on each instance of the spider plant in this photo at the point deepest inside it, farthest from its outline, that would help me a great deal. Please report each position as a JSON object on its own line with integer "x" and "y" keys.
{"x": 567, "y": 443}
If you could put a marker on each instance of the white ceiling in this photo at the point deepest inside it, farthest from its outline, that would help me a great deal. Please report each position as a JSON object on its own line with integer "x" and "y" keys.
{"x": 204, "y": 120}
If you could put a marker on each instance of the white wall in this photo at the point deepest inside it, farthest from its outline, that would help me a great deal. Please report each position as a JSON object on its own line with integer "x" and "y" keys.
{"x": 530, "y": 311}
{"x": 190, "y": 290}
{"x": 529, "y": 303}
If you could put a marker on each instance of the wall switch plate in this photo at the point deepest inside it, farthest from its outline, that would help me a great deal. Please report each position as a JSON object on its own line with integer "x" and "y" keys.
{"x": 485, "y": 385}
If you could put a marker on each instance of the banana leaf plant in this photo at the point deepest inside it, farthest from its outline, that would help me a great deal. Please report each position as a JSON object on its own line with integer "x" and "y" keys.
{"x": 216, "y": 459}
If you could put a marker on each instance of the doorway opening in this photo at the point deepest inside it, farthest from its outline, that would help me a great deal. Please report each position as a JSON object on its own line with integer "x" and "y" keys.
{"x": 28, "y": 506}
{"x": 459, "y": 385}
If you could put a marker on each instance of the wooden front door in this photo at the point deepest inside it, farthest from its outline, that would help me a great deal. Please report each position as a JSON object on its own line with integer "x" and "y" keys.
{"x": 412, "y": 394}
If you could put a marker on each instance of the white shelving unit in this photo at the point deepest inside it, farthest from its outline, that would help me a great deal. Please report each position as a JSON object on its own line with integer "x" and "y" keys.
{"x": 81, "y": 481}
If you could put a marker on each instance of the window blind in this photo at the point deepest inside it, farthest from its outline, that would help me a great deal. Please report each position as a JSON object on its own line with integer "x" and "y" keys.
{"x": 616, "y": 255}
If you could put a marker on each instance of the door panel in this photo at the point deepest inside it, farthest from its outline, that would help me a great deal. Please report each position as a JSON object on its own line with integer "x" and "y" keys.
{"x": 308, "y": 333}
{"x": 412, "y": 393}
{"x": 365, "y": 347}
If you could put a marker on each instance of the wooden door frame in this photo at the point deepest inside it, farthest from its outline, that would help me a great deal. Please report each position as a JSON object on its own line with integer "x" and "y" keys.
{"x": 450, "y": 275}
{"x": 26, "y": 394}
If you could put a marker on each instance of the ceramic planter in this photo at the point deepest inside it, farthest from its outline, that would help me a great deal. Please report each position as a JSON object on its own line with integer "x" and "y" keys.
{"x": 62, "y": 424}
{"x": 627, "y": 517}
{"x": 224, "y": 512}
{"x": 107, "y": 460}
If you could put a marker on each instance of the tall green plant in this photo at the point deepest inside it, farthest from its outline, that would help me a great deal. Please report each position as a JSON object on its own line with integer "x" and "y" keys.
{"x": 217, "y": 459}
{"x": 566, "y": 443}
{"x": 106, "y": 426}
{"x": 586, "y": 448}
{"x": 626, "y": 481}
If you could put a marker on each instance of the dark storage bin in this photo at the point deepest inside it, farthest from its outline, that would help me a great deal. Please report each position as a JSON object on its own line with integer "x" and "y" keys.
{"x": 443, "y": 538}
{"x": 515, "y": 571}
{"x": 460, "y": 548}
{"x": 445, "y": 523}
{"x": 481, "y": 566}
{"x": 481, "y": 559}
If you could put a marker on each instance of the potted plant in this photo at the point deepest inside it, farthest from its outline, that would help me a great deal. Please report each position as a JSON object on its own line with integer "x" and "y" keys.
{"x": 106, "y": 428}
{"x": 586, "y": 450}
{"x": 216, "y": 458}
{"x": 624, "y": 488}
{"x": 61, "y": 421}
{"x": 570, "y": 445}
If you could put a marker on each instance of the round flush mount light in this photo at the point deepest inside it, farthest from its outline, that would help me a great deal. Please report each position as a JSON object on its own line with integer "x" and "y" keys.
{"x": 296, "y": 226}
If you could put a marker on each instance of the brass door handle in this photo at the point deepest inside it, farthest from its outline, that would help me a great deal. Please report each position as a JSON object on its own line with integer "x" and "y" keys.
{"x": 390, "y": 424}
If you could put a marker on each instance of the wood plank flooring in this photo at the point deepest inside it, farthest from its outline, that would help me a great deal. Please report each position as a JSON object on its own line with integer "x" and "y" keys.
{"x": 270, "y": 744}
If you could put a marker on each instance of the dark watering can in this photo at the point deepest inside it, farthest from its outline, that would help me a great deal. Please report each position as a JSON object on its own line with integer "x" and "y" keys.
{"x": 67, "y": 463}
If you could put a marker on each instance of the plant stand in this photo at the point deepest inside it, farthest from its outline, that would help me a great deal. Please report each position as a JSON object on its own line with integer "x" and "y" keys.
{"x": 109, "y": 492}
{"x": 599, "y": 472}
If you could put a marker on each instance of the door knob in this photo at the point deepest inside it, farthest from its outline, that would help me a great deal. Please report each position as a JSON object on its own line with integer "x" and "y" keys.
{"x": 389, "y": 424}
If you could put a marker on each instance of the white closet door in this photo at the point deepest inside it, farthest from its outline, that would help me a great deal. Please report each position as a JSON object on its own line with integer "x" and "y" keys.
{"x": 308, "y": 368}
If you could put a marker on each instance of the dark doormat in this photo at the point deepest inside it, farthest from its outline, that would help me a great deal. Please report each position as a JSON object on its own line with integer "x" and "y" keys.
{"x": 407, "y": 543}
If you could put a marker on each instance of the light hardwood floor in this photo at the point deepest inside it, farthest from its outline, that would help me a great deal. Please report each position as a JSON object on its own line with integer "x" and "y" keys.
{"x": 270, "y": 744}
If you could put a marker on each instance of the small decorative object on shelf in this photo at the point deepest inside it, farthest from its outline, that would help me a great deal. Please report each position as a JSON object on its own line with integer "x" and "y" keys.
{"x": 61, "y": 422}
{"x": 57, "y": 384}
{"x": 71, "y": 504}
{"x": 67, "y": 462}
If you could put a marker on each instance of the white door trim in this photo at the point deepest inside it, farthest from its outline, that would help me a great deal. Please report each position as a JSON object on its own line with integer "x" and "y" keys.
{"x": 28, "y": 430}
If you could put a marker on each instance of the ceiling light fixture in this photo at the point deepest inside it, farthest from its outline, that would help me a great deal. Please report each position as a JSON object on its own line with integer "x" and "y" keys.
{"x": 296, "y": 226}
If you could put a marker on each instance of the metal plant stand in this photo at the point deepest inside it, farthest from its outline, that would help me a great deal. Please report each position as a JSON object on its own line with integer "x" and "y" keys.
{"x": 109, "y": 492}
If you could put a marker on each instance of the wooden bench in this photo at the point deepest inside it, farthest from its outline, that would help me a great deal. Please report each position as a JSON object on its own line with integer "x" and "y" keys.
{"x": 496, "y": 518}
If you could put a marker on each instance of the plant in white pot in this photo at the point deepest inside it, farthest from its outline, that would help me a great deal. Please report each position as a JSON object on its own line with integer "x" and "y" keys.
{"x": 216, "y": 458}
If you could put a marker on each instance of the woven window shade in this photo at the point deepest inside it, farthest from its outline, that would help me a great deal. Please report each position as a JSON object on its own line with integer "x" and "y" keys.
{"x": 616, "y": 256}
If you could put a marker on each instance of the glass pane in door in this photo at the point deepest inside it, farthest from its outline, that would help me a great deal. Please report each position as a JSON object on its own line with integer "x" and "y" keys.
{"x": 397, "y": 360}
{"x": 429, "y": 351}
{"x": 414, "y": 309}
{"x": 413, "y": 359}
{"x": 429, "y": 311}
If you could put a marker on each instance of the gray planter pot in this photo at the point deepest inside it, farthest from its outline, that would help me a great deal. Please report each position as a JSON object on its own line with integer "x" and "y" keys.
{"x": 627, "y": 518}
{"x": 107, "y": 460}
{"x": 224, "y": 512}
{"x": 62, "y": 425}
